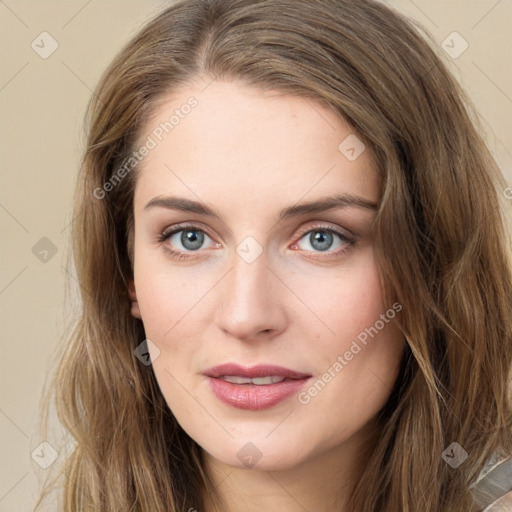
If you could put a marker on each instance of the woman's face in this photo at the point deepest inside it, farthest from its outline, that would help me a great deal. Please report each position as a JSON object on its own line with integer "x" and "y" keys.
{"x": 265, "y": 281}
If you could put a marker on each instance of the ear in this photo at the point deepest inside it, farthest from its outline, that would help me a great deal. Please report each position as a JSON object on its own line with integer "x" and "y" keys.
{"x": 133, "y": 298}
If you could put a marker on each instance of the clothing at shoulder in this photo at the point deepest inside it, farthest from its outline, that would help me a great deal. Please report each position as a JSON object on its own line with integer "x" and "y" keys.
{"x": 503, "y": 504}
{"x": 493, "y": 488}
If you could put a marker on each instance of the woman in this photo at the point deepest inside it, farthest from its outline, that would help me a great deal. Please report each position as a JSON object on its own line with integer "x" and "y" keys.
{"x": 294, "y": 272}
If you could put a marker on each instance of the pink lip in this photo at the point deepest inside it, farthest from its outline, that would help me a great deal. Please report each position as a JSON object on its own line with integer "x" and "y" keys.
{"x": 251, "y": 396}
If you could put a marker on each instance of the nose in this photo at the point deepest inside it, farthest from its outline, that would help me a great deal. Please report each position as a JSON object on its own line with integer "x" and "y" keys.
{"x": 251, "y": 301}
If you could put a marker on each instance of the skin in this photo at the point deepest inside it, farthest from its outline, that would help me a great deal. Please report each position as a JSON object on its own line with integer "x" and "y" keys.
{"x": 248, "y": 154}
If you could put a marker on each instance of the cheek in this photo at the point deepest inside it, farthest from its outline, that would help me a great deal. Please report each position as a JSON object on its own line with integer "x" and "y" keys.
{"x": 349, "y": 301}
{"x": 359, "y": 359}
{"x": 168, "y": 297}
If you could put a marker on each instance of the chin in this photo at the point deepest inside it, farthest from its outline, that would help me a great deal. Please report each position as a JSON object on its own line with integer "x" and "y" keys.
{"x": 259, "y": 454}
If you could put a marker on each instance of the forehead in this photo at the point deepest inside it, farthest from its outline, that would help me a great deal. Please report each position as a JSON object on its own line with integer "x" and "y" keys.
{"x": 225, "y": 141}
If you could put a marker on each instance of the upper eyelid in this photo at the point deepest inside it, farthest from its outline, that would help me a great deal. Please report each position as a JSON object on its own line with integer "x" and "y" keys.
{"x": 176, "y": 229}
{"x": 328, "y": 227}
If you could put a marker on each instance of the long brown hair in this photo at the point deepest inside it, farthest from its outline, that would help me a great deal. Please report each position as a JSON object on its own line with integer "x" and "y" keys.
{"x": 441, "y": 243}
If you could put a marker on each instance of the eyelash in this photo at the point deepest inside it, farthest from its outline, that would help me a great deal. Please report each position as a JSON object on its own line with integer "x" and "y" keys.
{"x": 180, "y": 255}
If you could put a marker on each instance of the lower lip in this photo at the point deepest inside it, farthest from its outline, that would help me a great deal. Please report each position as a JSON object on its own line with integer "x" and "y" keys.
{"x": 253, "y": 397}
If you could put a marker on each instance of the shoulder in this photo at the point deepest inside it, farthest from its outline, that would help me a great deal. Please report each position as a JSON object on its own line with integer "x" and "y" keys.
{"x": 493, "y": 487}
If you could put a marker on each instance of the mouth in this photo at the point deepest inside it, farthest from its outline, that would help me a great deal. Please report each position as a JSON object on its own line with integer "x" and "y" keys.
{"x": 255, "y": 388}
{"x": 258, "y": 381}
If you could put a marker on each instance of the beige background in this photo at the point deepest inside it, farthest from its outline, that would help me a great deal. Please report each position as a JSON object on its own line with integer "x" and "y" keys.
{"x": 42, "y": 103}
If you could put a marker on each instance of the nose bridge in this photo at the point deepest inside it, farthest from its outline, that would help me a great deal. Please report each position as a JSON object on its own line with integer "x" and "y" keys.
{"x": 249, "y": 303}
{"x": 248, "y": 284}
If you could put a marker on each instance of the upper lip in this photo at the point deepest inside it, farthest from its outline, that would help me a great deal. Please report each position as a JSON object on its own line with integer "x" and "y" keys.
{"x": 261, "y": 370}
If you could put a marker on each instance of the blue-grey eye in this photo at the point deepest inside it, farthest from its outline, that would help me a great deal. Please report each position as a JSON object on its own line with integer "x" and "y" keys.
{"x": 191, "y": 239}
{"x": 321, "y": 240}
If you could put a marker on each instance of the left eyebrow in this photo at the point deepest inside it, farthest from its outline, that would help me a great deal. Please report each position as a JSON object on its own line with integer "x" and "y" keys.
{"x": 320, "y": 205}
{"x": 328, "y": 203}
